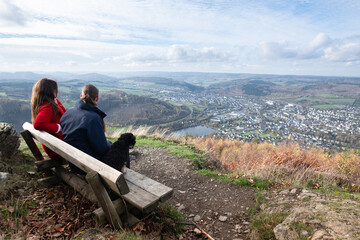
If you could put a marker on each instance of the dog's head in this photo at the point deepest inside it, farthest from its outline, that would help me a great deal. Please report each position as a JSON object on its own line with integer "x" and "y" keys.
{"x": 129, "y": 138}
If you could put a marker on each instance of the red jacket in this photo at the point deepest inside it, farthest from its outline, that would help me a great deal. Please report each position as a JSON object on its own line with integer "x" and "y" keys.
{"x": 46, "y": 121}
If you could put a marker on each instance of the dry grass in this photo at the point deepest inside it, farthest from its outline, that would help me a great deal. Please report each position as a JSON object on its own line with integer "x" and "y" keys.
{"x": 285, "y": 163}
{"x": 146, "y": 131}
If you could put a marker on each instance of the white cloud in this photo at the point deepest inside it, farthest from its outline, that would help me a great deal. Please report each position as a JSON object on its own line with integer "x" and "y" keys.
{"x": 170, "y": 55}
{"x": 344, "y": 53}
{"x": 277, "y": 50}
{"x": 10, "y": 14}
{"x": 182, "y": 53}
{"x": 315, "y": 48}
{"x": 176, "y": 35}
{"x": 321, "y": 47}
{"x": 353, "y": 63}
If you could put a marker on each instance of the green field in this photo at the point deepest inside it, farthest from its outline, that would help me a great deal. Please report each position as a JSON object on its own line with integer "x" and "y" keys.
{"x": 250, "y": 132}
{"x": 63, "y": 89}
{"x": 342, "y": 101}
{"x": 327, "y": 95}
{"x": 326, "y": 106}
{"x": 268, "y": 135}
{"x": 329, "y": 101}
{"x": 69, "y": 104}
{"x": 135, "y": 91}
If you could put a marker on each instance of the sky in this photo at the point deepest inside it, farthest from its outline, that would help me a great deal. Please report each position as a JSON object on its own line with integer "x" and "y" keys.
{"x": 297, "y": 37}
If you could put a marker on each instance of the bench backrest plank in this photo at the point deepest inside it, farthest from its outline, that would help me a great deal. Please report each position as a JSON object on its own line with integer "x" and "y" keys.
{"x": 112, "y": 177}
{"x": 141, "y": 191}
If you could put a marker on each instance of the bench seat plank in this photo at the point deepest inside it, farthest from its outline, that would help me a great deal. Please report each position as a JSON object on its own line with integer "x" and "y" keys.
{"x": 159, "y": 190}
{"x": 141, "y": 199}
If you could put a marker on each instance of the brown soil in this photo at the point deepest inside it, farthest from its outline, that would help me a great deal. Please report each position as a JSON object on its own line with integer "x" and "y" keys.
{"x": 219, "y": 208}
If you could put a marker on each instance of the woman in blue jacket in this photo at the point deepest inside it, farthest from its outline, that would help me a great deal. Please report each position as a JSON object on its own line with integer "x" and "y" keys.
{"x": 83, "y": 126}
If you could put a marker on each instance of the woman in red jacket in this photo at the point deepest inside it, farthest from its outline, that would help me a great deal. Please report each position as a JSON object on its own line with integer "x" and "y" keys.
{"x": 46, "y": 110}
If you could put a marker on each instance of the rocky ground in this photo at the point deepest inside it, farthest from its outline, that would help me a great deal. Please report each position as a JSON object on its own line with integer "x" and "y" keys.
{"x": 219, "y": 208}
{"x": 313, "y": 215}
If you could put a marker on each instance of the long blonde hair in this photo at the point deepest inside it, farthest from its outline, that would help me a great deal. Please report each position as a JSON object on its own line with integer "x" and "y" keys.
{"x": 44, "y": 90}
{"x": 89, "y": 95}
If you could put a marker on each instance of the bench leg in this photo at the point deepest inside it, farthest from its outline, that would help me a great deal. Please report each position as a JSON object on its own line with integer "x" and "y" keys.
{"x": 32, "y": 145}
{"x": 79, "y": 184}
{"x": 104, "y": 200}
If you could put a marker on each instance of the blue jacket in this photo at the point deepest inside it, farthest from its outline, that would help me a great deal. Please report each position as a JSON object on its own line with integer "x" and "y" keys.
{"x": 82, "y": 127}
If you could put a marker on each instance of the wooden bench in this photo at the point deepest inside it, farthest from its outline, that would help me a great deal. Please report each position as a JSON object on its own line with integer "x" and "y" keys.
{"x": 133, "y": 189}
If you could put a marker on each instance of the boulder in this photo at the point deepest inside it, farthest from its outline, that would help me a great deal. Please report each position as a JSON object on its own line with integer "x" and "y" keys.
{"x": 9, "y": 140}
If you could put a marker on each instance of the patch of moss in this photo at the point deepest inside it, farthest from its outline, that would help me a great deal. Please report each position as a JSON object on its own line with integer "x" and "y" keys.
{"x": 319, "y": 217}
{"x": 241, "y": 181}
{"x": 168, "y": 215}
{"x": 264, "y": 224}
{"x": 298, "y": 227}
{"x": 260, "y": 199}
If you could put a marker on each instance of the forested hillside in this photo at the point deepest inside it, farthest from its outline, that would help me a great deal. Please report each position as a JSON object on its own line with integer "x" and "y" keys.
{"x": 124, "y": 109}
{"x": 14, "y": 111}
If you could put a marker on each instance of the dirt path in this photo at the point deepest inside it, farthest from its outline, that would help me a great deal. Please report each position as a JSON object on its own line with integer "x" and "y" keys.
{"x": 219, "y": 208}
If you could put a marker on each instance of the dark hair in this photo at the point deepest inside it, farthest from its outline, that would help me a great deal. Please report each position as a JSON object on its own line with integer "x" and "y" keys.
{"x": 44, "y": 90}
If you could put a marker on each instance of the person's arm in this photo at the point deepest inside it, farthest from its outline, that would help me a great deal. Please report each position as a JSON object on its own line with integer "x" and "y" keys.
{"x": 96, "y": 137}
{"x": 42, "y": 120}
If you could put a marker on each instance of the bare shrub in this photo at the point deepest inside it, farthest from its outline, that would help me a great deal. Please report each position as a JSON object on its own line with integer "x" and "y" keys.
{"x": 285, "y": 163}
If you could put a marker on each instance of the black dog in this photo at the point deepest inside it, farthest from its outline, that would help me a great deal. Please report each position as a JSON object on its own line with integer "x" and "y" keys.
{"x": 118, "y": 155}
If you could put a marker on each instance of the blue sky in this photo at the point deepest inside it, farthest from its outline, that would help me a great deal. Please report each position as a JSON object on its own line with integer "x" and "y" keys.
{"x": 299, "y": 37}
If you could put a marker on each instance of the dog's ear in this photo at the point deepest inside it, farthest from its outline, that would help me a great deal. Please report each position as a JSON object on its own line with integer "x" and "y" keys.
{"x": 131, "y": 140}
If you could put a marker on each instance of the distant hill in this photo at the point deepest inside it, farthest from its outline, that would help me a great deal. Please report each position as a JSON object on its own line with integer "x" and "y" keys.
{"x": 169, "y": 82}
{"x": 20, "y": 90}
{"x": 15, "y": 112}
{"x": 121, "y": 109}
{"x": 60, "y": 76}
{"x": 128, "y": 109}
{"x": 95, "y": 77}
{"x": 20, "y": 76}
{"x": 254, "y": 87}
{"x": 261, "y": 82}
